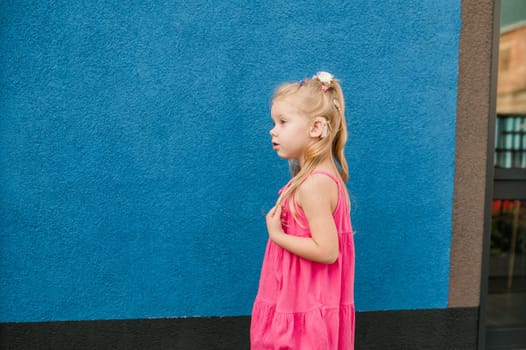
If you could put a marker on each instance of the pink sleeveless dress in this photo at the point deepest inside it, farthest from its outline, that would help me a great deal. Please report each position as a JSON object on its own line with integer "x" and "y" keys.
{"x": 302, "y": 304}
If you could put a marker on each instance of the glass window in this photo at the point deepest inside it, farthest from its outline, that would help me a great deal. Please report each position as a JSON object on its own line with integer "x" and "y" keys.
{"x": 510, "y": 141}
{"x": 507, "y": 275}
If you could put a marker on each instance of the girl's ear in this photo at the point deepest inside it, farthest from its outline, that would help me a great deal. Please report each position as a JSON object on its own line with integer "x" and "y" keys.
{"x": 319, "y": 127}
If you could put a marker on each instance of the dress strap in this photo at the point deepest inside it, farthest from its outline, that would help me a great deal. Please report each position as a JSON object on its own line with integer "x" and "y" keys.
{"x": 327, "y": 174}
{"x": 341, "y": 188}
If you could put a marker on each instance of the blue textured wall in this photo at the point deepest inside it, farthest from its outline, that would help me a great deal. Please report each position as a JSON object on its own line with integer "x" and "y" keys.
{"x": 136, "y": 161}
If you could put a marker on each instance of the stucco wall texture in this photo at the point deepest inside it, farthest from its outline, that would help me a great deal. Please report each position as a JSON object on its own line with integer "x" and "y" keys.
{"x": 136, "y": 161}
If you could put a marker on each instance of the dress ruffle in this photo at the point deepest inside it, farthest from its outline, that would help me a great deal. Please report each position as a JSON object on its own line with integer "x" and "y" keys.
{"x": 308, "y": 330}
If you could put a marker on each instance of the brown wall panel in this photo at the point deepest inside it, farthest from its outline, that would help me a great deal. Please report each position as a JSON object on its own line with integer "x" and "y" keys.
{"x": 472, "y": 174}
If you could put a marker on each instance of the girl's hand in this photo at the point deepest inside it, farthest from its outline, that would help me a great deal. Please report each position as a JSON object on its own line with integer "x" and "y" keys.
{"x": 274, "y": 222}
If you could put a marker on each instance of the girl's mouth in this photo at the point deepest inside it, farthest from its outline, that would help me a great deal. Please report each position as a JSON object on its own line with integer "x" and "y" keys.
{"x": 275, "y": 145}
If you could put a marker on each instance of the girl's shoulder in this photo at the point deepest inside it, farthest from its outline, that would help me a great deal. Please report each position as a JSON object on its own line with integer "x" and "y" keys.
{"x": 320, "y": 185}
{"x": 327, "y": 175}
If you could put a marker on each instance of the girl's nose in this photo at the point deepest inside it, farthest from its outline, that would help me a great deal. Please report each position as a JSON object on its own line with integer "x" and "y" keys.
{"x": 272, "y": 132}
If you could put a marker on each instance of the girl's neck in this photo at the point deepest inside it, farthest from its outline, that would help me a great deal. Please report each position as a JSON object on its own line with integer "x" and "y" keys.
{"x": 326, "y": 164}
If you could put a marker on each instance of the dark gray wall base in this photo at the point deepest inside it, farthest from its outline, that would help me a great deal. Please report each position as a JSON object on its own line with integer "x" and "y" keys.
{"x": 441, "y": 329}
{"x": 194, "y": 333}
{"x": 408, "y": 329}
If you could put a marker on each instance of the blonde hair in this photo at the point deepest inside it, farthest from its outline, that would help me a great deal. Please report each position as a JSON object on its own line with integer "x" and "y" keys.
{"x": 317, "y": 100}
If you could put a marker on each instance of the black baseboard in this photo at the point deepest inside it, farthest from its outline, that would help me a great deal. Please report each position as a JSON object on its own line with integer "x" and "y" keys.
{"x": 440, "y": 329}
{"x": 409, "y": 329}
{"x": 145, "y": 334}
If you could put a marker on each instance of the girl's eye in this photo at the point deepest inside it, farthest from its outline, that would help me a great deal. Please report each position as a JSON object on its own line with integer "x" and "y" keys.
{"x": 282, "y": 121}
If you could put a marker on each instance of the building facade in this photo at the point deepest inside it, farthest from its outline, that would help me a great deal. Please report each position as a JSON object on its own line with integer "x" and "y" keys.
{"x": 136, "y": 164}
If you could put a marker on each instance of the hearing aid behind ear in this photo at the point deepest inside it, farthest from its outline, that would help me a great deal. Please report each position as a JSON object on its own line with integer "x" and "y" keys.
{"x": 325, "y": 128}
{"x": 324, "y": 131}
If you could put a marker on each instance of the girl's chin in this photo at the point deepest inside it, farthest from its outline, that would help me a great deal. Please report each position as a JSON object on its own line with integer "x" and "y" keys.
{"x": 284, "y": 156}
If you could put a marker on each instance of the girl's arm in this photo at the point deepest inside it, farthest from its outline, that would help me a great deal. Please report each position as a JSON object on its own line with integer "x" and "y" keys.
{"x": 317, "y": 196}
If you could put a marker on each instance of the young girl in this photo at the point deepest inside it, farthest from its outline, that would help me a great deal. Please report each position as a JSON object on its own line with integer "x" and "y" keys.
{"x": 305, "y": 298}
